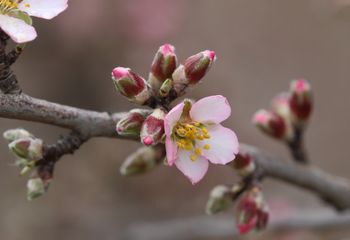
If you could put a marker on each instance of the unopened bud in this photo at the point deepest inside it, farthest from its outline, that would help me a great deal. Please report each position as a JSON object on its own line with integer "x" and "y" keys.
{"x": 280, "y": 105}
{"x": 251, "y": 211}
{"x": 220, "y": 199}
{"x": 131, "y": 85}
{"x": 198, "y": 65}
{"x": 131, "y": 124}
{"x": 40, "y": 180}
{"x": 35, "y": 188}
{"x": 193, "y": 70}
{"x": 271, "y": 124}
{"x": 27, "y": 148}
{"x": 152, "y": 129}
{"x": 166, "y": 87}
{"x": 244, "y": 164}
{"x": 143, "y": 160}
{"x": 163, "y": 65}
{"x": 14, "y": 134}
{"x": 301, "y": 101}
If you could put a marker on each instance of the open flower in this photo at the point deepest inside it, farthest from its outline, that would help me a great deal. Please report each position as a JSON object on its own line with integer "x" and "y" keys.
{"x": 15, "y": 20}
{"x": 195, "y": 136}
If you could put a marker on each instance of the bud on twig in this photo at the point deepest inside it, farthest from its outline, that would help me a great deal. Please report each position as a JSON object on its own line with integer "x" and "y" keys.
{"x": 252, "y": 211}
{"x": 27, "y": 148}
{"x": 220, "y": 199}
{"x": 166, "y": 87}
{"x": 163, "y": 65}
{"x": 272, "y": 124}
{"x": 193, "y": 70}
{"x": 152, "y": 129}
{"x": 40, "y": 181}
{"x": 244, "y": 164}
{"x": 131, "y": 124}
{"x": 14, "y": 134}
{"x": 301, "y": 101}
{"x": 143, "y": 160}
{"x": 132, "y": 86}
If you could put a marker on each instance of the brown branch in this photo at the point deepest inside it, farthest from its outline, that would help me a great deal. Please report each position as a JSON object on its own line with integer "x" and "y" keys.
{"x": 87, "y": 124}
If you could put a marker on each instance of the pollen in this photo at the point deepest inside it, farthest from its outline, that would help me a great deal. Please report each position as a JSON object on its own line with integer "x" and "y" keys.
{"x": 193, "y": 157}
{"x": 8, "y": 6}
{"x": 206, "y": 146}
{"x": 27, "y": 5}
{"x": 198, "y": 151}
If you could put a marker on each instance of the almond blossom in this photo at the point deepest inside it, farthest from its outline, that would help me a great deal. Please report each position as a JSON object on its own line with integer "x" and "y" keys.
{"x": 15, "y": 15}
{"x": 195, "y": 137}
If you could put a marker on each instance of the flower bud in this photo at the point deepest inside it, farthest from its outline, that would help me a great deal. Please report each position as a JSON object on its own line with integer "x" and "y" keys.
{"x": 271, "y": 124}
{"x": 192, "y": 71}
{"x": 143, "y": 160}
{"x": 131, "y": 85}
{"x": 152, "y": 129}
{"x": 27, "y": 148}
{"x": 301, "y": 101}
{"x": 163, "y": 65}
{"x": 244, "y": 164}
{"x": 198, "y": 65}
{"x": 14, "y": 134}
{"x": 251, "y": 211}
{"x": 280, "y": 106}
{"x": 220, "y": 199}
{"x": 166, "y": 87}
{"x": 40, "y": 180}
{"x": 131, "y": 124}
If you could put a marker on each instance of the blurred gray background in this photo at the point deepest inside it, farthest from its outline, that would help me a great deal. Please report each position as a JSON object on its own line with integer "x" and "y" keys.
{"x": 261, "y": 45}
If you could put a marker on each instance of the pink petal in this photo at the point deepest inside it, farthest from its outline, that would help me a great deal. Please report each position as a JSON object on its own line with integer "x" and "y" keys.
{"x": 17, "y": 29}
{"x": 47, "y": 9}
{"x": 171, "y": 151}
{"x": 172, "y": 117}
{"x": 194, "y": 170}
{"x": 213, "y": 109}
{"x": 223, "y": 144}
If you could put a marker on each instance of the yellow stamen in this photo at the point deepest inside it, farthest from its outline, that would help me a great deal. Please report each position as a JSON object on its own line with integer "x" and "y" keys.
{"x": 193, "y": 157}
{"x": 198, "y": 151}
{"x": 27, "y": 5}
{"x": 206, "y": 146}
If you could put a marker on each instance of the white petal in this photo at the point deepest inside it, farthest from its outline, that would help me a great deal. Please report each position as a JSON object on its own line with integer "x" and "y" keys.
{"x": 194, "y": 170}
{"x": 171, "y": 151}
{"x": 213, "y": 109}
{"x": 223, "y": 144}
{"x": 172, "y": 117}
{"x": 47, "y": 9}
{"x": 17, "y": 29}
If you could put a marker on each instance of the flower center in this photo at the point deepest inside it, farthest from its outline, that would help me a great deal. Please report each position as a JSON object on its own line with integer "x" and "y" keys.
{"x": 187, "y": 134}
{"x": 8, "y": 6}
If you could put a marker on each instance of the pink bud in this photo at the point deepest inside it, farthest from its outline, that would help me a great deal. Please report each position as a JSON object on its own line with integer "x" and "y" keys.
{"x": 252, "y": 211}
{"x": 152, "y": 129}
{"x": 164, "y": 62}
{"x": 130, "y": 85}
{"x": 198, "y": 65}
{"x": 131, "y": 124}
{"x": 271, "y": 124}
{"x": 301, "y": 100}
{"x": 244, "y": 164}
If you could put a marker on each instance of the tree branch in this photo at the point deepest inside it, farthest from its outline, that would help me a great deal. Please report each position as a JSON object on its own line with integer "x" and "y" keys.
{"x": 88, "y": 124}
{"x": 221, "y": 227}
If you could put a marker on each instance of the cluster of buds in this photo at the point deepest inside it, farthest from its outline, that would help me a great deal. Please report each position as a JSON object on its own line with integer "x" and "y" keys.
{"x": 252, "y": 212}
{"x": 290, "y": 112}
{"x": 26, "y": 148}
{"x": 166, "y": 76}
{"x": 28, "y": 151}
{"x": 143, "y": 160}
